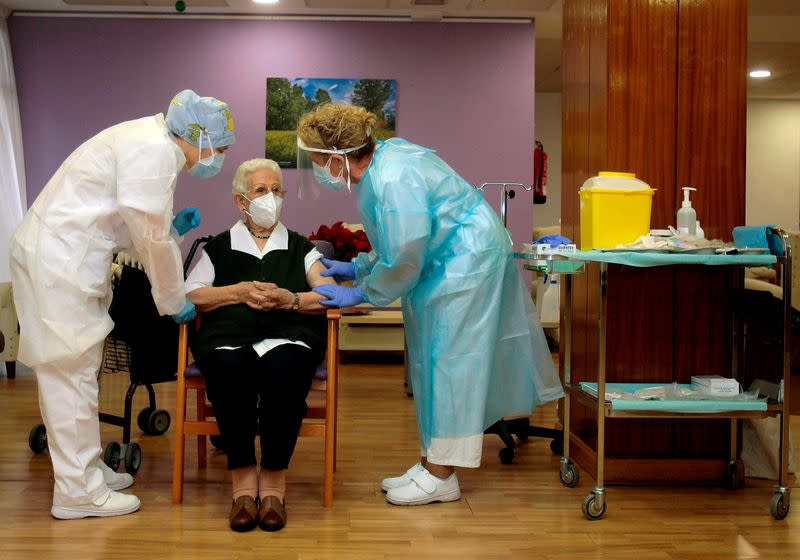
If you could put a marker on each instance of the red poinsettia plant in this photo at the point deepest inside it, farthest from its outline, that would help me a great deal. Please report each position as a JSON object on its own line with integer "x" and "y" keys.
{"x": 346, "y": 244}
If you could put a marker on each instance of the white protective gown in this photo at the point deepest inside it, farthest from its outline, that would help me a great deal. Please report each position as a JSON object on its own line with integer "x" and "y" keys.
{"x": 114, "y": 192}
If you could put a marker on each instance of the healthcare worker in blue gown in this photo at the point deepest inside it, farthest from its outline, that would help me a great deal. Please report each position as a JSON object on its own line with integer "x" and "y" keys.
{"x": 113, "y": 194}
{"x": 476, "y": 349}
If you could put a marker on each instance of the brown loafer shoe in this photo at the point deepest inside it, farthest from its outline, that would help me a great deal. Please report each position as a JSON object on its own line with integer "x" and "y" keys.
{"x": 244, "y": 514}
{"x": 272, "y": 514}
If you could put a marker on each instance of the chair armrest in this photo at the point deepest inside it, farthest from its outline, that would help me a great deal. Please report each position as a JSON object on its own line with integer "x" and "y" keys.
{"x": 334, "y": 314}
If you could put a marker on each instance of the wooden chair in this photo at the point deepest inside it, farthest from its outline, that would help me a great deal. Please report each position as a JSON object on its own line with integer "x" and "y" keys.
{"x": 320, "y": 420}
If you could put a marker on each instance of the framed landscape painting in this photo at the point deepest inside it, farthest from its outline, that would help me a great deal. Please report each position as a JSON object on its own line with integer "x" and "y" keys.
{"x": 289, "y": 98}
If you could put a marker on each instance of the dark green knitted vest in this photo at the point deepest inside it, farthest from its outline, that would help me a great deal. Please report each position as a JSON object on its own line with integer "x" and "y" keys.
{"x": 238, "y": 325}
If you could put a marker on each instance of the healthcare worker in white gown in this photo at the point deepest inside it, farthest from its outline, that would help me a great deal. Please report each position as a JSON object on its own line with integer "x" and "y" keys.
{"x": 475, "y": 346}
{"x": 113, "y": 193}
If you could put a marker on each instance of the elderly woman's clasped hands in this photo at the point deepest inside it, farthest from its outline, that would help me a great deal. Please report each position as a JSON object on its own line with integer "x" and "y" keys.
{"x": 264, "y": 296}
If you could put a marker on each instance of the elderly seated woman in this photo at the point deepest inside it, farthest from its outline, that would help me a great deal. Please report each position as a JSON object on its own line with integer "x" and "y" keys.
{"x": 261, "y": 338}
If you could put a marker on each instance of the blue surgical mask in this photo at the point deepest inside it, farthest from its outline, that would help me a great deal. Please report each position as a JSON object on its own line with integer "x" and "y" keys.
{"x": 207, "y": 167}
{"x": 326, "y": 179}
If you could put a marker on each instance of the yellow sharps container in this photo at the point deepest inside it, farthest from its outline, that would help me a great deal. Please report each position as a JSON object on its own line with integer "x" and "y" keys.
{"x": 615, "y": 210}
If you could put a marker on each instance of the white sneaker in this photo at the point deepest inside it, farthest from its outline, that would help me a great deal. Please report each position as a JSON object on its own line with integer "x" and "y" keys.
{"x": 113, "y": 479}
{"x": 425, "y": 488}
{"x": 402, "y": 480}
{"x": 113, "y": 504}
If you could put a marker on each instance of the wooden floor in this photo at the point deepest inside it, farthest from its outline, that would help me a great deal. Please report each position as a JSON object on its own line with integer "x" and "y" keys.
{"x": 518, "y": 510}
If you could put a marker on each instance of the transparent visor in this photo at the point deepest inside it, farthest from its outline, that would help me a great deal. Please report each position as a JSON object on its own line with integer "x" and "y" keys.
{"x": 317, "y": 168}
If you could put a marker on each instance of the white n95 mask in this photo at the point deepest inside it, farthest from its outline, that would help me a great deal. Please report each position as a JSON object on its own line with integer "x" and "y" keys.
{"x": 265, "y": 210}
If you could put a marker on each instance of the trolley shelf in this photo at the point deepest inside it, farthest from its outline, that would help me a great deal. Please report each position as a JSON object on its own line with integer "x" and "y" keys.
{"x": 590, "y": 400}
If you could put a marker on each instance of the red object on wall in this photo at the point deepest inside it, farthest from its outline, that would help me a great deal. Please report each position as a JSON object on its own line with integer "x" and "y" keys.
{"x": 539, "y": 174}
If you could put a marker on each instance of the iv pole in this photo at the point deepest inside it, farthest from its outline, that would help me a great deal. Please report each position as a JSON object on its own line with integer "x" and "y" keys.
{"x": 506, "y": 193}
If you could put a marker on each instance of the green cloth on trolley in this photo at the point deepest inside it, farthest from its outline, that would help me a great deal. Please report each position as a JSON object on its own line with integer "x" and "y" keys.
{"x": 688, "y": 406}
{"x": 646, "y": 259}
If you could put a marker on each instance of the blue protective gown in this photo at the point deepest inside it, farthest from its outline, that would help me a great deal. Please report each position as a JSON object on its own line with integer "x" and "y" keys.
{"x": 476, "y": 349}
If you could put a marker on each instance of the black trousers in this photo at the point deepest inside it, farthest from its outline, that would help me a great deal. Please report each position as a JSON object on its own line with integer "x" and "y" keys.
{"x": 265, "y": 395}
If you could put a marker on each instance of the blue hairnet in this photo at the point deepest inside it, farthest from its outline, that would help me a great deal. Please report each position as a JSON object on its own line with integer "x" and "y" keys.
{"x": 191, "y": 117}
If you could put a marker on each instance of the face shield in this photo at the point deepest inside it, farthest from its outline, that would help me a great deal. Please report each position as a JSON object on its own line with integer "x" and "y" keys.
{"x": 314, "y": 169}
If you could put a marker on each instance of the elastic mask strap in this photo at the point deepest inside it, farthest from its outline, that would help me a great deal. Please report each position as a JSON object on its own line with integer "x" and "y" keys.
{"x": 200, "y": 148}
{"x": 347, "y": 164}
{"x": 341, "y": 169}
{"x": 247, "y": 210}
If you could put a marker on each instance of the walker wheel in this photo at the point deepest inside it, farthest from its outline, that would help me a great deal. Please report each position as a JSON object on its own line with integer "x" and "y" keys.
{"x": 111, "y": 455}
{"x": 506, "y": 455}
{"x": 133, "y": 458}
{"x": 779, "y": 505}
{"x": 557, "y": 446}
{"x": 590, "y": 509}
{"x": 570, "y": 475}
{"x": 37, "y": 439}
{"x": 143, "y": 419}
{"x": 159, "y": 422}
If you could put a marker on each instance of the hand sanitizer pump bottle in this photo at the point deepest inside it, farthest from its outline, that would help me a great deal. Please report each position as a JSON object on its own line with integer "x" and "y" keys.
{"x": 687, "y": 217}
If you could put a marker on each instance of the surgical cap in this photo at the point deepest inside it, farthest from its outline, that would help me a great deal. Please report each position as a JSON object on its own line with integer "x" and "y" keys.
{"x": 191, "y": 117}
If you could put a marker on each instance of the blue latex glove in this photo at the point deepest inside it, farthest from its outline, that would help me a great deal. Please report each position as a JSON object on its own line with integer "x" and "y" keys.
{"x": 186, "y": 314}
{"x": 553, "y": 241}
{"x": 341, "y": 271}
{"x": 187, "y": 219}
{"x": 340, "y": 296}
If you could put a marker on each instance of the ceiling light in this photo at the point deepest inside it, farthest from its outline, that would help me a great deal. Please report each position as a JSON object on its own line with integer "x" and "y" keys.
{"x": 760, "y": 73}
{"x": 266, "y": 1}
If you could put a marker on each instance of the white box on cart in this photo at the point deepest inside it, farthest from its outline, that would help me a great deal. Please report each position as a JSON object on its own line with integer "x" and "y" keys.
{"x": 716, "y": 384}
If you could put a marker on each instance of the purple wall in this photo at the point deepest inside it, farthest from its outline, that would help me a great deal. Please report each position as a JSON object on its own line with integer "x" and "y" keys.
{"x": 466, "y": 90}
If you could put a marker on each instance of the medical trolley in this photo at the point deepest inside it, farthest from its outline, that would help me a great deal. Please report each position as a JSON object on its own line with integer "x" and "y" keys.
{"x": 595, "y": 503}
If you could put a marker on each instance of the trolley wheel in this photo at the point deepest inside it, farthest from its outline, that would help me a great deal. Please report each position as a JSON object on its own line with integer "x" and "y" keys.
{"x": 37, "y": 439}
{"x": 590, "y": 508}
{"x": 218, "y": 442}
{"x": 557, "y": 446}
{"x": 570, "y": 476}
{"x": 143, "y": 419}
{"x": 133, "y": 458}
{"x": 779, "y": 505}
{"x": 735, "y": 476}
{"x": 506, "y": 455}
{"x": 111, "y": 455}
{"x": 159, "y": 422}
